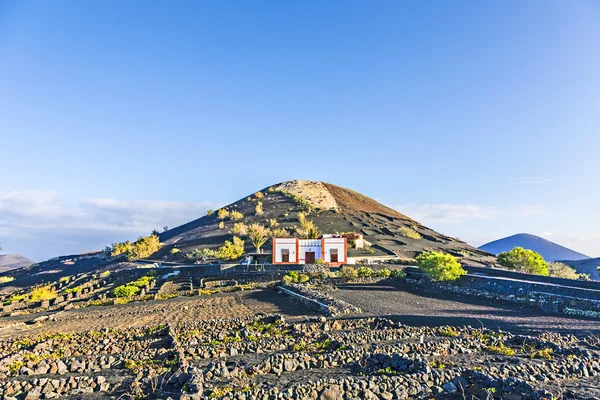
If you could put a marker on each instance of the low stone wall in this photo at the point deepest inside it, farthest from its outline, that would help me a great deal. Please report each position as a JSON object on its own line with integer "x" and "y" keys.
{"x": 575, "y": 301}
{"x": 318, "y": 300}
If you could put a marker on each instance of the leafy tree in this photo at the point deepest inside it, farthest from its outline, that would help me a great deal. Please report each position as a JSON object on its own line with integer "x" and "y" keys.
{"x": 155, "y": 232}
{"x": 440, "y": 267}
{"x": 259, "y": 195}
{"x": 221, "y": 225}
{"x": 561, "y": 270}
{"x": 209, "y": 212}
{"x": 258, "y": 235}
{"x": 231, "y": 250}
{"x": 202, "y": 254}
{"x": 273, "y": 223}
{"x": 522, "y": 260}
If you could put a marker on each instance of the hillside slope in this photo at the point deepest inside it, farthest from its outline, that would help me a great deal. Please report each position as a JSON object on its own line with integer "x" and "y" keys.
{"x": 588, "y": 266}
{"x": 334, "y": 210}
{"x": 12, "y": 261}
{"x": 549, "y": 250}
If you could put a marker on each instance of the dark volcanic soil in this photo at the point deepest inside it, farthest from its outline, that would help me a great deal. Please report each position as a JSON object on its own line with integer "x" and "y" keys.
{"x": 417, "y": 306}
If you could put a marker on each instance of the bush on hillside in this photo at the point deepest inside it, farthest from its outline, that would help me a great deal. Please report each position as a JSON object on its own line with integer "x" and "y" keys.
{"x": 222, "y": 213}
{"x": 280, "y": 233}
{"x": 141, "y": 248}
{"x": 561, "y": 270}
{"x": 409, "y": 233}
{"x": 6, "y": 279}
{"x": 519, "y": 259}
{"x": 231, "y": 250}
{"x": 236, "y": 215}
{"x": 440, "y": 267}
{"x": 258, "y": 209}
{"x": 42, "y": 293}
{"x": 239, "y": 229}
{"x": 201, "y": 254}
{"x": 126, "y": 291}
{"x": 209, "y": 212}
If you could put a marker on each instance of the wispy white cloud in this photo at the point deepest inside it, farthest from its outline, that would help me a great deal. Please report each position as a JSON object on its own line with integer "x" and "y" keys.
{"x": 444, "y": 213}
{"x": 41, "y": 224}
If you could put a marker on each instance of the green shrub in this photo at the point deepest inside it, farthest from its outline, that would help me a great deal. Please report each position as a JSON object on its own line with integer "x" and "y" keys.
{"x": 42, "y": 293}
{"x": 273, "y": 223}
{"x": 409, "y": 233}
{"x": 231, "y": 250}
{"x": 126, "y": 291}
{"x": 141, "y": 282}
{"x": 295, "y": 277}
{"x": 364, "y": 272}
{"x": 398, "y": 274}
{"x": 202, "y": 254}
{"x": 502, "y": 349}
{"x": 221, "y": 225}
{"x": 239, "y": 229}
{"x": 209, "y": 212}
{"x": 141, "y": 248}
{"x": 348, "y": 274}
{"x": 383, "y": 273}
{"x": 222, "y": 213}
{"x": 16, "y": 297}
{"x": 6, "y": 279}
{"x": 236, "y": 215}
{"x": 519, "y": 259}
{"x": 104, "y": 274}
{"x": 258, "y": 209}
{"x": 319, "y": 261}
{"x": 440, "y": 266}
{"x": 259, "y": 195}
{"x": 65, "y": 279}
{"x": 73, "y": 290}
{"x": 561, "y": 270}
{"x": 174, "y": 250}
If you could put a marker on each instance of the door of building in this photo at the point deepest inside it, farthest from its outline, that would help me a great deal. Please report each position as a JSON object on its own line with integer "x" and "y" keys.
{"x": 309, "y": 257}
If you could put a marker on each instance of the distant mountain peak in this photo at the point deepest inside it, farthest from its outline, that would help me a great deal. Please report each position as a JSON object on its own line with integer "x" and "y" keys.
{"x": 12, "y": 261}
{"x": 549, "y": 250}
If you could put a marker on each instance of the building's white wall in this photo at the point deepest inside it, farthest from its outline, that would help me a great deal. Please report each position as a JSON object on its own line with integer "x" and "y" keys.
{"x": 308, "y": 245}
{"x": 289, "y": 244}
{"x": 334, "y": 243}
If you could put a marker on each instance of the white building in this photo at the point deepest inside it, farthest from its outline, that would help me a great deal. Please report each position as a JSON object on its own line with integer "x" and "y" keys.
{"x": 332, "y": 250}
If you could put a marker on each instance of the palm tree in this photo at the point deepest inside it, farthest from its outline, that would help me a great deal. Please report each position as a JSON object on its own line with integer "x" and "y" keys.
{"x": 258, "y": 235}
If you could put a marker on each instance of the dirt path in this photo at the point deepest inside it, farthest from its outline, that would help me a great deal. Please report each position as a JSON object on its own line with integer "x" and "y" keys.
{"x": 416, "y": 306}
{"x": 176, "y": 310}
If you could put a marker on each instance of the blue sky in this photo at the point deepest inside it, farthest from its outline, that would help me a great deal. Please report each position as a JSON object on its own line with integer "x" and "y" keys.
{"x": 480, "y": 119}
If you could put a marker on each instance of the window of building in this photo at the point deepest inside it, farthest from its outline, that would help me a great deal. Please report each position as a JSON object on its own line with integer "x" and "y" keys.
{"x": 333, "y": 255}
{"x": 285, "y": 255}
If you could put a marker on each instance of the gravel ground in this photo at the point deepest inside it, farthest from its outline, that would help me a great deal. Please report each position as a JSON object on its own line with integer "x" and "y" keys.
{"x": 418, "y": 306}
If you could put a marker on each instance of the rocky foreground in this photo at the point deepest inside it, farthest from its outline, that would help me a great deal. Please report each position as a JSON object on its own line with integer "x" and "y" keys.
{"x": 267, "y": 357}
